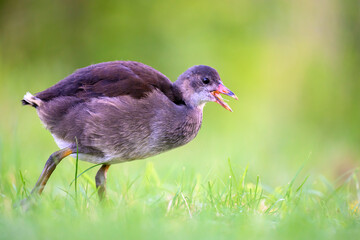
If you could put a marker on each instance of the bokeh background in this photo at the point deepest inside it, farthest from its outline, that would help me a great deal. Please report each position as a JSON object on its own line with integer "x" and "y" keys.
{"x": 295, "y": 66}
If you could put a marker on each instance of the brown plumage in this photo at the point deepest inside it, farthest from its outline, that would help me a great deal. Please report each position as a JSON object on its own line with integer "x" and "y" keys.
{"x": 121, "y": 111}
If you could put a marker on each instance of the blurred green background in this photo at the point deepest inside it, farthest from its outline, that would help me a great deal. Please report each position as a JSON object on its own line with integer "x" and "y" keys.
{"x": 293, "y": 64}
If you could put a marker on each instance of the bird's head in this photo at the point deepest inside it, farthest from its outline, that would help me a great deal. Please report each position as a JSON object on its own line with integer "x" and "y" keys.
{"x": 201, "y": 84}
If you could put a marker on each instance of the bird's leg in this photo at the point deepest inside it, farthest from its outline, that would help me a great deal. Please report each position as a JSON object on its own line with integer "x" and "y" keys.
{"x": 100, "y": 180}
{"x": 50, "y": 166}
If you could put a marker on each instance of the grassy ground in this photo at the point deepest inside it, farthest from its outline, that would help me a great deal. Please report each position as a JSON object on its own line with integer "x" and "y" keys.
{"x": 184, "y": 205}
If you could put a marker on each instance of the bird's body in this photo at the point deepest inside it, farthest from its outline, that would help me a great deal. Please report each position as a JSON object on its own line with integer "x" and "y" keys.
{"x": 121, "y": 111}
{"x": 109, "y": 131}
{"x": 118, "y": 111}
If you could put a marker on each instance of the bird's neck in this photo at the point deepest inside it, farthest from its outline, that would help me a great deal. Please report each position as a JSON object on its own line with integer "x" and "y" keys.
{"x": 194, "y": 118}
{"x": 201, "y": 107}
{"x": 190, "y": 126}
{"x": 190, "y": 98}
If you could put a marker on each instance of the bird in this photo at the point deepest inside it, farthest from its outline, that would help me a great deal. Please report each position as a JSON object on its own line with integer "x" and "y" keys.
{"x": 119, "y": 111}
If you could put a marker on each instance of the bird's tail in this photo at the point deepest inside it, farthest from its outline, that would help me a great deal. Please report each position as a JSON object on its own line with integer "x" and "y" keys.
{"x": 29, "y": 99}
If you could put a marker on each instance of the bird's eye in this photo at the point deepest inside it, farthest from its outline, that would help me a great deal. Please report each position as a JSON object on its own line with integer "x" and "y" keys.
{"x": 205, "y": 80}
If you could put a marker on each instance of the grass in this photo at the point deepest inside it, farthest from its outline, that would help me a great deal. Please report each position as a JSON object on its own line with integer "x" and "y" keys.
{"x": 149, "y": 206}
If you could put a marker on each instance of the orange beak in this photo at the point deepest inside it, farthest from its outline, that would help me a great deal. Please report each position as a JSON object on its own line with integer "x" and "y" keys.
{"x": 223, "y": 90}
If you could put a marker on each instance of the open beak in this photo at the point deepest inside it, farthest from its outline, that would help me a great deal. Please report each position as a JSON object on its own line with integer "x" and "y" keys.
{"x": 223, "y": 90}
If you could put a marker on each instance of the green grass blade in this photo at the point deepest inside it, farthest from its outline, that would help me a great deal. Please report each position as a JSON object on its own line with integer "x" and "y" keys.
{"x": 76, "y": 165}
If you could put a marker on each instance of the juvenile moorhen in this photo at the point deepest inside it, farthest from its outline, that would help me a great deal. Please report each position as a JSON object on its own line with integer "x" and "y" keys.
{"x": 121, "y": 111}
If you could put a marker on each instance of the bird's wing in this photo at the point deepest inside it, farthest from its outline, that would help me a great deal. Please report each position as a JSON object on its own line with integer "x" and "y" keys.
{"x": 112, "y": 79}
